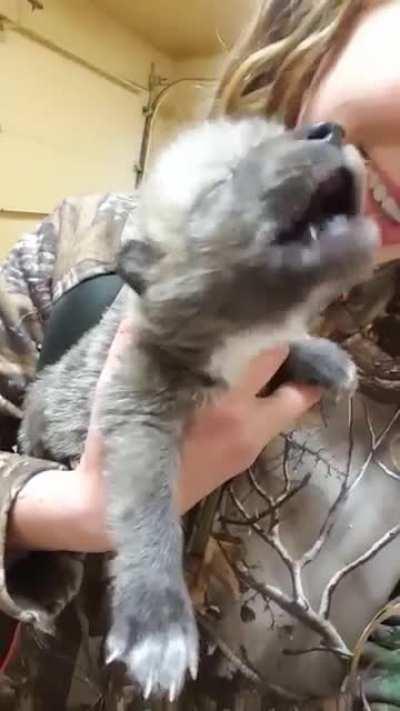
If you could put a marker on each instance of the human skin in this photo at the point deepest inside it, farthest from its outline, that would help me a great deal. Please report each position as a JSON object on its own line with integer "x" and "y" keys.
{"x": 65, "y": 510}
{"x": 359, "y": 88}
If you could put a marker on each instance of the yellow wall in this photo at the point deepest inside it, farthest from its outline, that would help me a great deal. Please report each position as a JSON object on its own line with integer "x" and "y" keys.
{"x": 12, "y": 227}
{"x": 66, "y": 129}
{"x": 185, "y": 101}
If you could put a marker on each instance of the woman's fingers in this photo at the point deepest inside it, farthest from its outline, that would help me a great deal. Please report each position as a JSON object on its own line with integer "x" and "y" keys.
{"x": 261, "y": 370}
{"x": 279, "y": 411}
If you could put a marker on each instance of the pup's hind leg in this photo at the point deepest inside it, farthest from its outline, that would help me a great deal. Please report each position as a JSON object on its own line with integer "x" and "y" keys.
{"x": 153, "y": 629}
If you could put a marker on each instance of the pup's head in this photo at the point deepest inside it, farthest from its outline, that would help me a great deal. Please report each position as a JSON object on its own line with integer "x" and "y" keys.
{"x": 243, "y": 222}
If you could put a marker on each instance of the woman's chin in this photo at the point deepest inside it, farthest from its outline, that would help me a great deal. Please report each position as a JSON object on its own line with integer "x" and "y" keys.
{"x": 389, "y": 232}
{"x": 390, "y": 240}
{"x": 388, "y": 251}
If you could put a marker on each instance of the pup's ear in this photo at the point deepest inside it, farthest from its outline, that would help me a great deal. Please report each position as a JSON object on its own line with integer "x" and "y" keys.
{"x": 134, "y": 262}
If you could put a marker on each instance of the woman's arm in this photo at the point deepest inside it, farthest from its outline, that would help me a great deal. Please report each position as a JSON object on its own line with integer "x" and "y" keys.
{"x": 78, "y": 228}
{"x": 59, "y": 510}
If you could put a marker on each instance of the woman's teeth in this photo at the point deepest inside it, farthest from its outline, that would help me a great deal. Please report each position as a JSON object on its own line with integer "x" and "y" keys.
{"x": 387, "y": 203}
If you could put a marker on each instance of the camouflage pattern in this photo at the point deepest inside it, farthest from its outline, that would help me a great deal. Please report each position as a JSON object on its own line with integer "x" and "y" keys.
{"x": 78, "y": 240}
{"x": 241, "y": 544}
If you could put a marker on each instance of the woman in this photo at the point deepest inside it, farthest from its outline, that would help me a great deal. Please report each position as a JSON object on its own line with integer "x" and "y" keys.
{"x": 282, "y": 67}
{"x": 338, "y": 61}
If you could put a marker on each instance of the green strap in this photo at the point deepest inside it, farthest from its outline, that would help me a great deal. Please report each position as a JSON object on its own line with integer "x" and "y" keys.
{"x": 75, "y": 313}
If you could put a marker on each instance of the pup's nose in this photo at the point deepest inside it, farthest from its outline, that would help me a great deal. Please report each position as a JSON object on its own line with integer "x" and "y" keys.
{"x": 328, "y": 132}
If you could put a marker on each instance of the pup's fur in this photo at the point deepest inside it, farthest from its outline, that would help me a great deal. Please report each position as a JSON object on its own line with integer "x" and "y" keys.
{"x": 245, "y": 231}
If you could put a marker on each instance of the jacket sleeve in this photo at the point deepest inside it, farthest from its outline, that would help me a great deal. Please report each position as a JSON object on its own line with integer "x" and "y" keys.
{"x": 25, "y": 302}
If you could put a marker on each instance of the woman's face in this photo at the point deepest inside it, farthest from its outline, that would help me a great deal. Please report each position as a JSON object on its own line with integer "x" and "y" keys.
{"x": 360, "y": 89}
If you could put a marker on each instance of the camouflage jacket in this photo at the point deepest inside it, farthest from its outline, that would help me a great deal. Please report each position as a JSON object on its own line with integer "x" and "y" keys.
{"x": 78, "y": 240}
{"x": 262, "y": 613}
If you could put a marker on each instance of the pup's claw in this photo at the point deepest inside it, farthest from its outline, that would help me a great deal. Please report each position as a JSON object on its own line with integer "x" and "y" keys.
{"x": 172, "y": 693}
{"x": 194, "y": 667}
{"x": 148, "y": 687}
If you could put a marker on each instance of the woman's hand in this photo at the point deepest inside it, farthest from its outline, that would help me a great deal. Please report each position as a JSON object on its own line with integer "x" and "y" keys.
{"x": 65, "y": 510}
{"x": 225, "y": 437}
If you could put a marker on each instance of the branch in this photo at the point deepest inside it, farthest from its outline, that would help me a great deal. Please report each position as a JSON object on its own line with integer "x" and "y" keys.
{"x": 289, "y": 490}
{"x": 321, "y": 648}
{"x": 339, "y": 502}
{"x": 376, "y": 441}
{"x": 274, "y": 541}
{"x": 273, "y": 505}
{"x": 260, "y": 489}
{"x": 326, "y": 598}
{"x": 307, "y": 616}
{"x": 244, "y": 668}
{"x": 297, "y": 605}
{"x": 317, "y": 455}
{"x": 387, "y": 470}
{"x": 327, "y": 526}
{"x": 245, "y": 522}
{"x": 285, "y": 468}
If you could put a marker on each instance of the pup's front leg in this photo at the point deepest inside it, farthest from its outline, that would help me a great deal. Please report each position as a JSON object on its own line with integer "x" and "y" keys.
{"x": 317, "y": 361}
{"x": 153, "y": 627}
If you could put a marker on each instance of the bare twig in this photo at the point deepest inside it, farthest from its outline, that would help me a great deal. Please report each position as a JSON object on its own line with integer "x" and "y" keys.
{"x": 285, "y": 468}
{"x": 307, "y": 615}
{"x": 304, "y": 614}
{"x": 289, "y": 490}
{"x": 326, "y": 598}
{"x": 273, "y": 505}
{"x": 350, "y": 427}
{"x": 340, "y": 500}
{"x": 365, "y": 702}
{"x": 245, "y": 522}
{"x": 376, "y": 441}
{"x": 387, "y": 470}
{"x": 260, "y": 489}
{"x": 243, "y": 666}
{"x": 274, "y": 541}
{"x": 296, "y": 603}
{"x": 327, "y": 526}
{"x": 317, "y": 455}
{"x": 320, "y": 648}
{"x": 294, "y": 489}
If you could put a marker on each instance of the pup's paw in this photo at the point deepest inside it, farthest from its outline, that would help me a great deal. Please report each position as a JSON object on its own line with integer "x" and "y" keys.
{"x": 158, "y": 641}
{"x": 317, "y": 361}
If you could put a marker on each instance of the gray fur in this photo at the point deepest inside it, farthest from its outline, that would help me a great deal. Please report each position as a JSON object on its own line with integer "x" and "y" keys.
{"x": 226, "y": 266}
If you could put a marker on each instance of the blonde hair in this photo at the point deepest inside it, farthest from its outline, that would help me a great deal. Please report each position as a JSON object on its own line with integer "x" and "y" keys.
{"x": 276, "y": 60}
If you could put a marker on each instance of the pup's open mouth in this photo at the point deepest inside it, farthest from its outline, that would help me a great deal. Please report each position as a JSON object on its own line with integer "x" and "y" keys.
{"x": 342, "y": 193}
{"x": 336, "y": 195}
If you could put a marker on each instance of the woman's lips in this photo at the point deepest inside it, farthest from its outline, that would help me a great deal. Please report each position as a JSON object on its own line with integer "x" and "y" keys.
{"x": 390, "y": 230}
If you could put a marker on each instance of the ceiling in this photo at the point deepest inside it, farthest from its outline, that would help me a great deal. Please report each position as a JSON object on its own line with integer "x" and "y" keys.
{"x": 183, "y": 28}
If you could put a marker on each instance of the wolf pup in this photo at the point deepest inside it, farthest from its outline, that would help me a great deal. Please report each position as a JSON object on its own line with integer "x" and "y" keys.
{"x": 244, "y": 231}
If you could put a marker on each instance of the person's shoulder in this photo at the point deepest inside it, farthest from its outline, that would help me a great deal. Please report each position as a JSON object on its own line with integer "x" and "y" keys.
{"x": 89, "y": 231}
{"x": 92, "y": 204}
